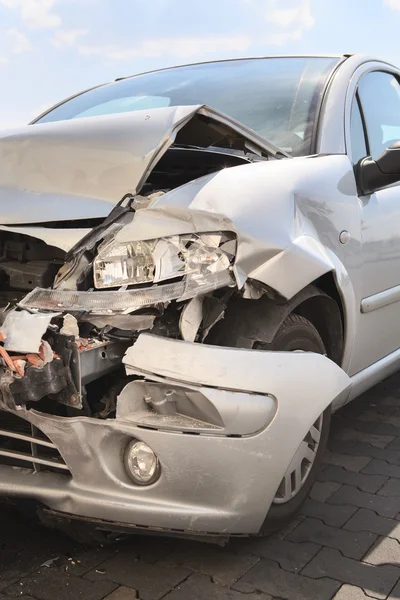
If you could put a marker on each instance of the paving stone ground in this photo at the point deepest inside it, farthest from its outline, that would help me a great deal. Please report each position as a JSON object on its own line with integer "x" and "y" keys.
{"x": 344, "y": 545}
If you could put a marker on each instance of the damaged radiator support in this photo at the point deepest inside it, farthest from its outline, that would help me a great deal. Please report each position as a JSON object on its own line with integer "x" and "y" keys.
{"x": 60, "y": 370}
{"x": 51, "y": 379}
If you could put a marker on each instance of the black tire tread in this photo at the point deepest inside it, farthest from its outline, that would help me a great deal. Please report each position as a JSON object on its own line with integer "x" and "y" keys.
{"x": 280, "y": 514}
{"x": 293, "y": 320}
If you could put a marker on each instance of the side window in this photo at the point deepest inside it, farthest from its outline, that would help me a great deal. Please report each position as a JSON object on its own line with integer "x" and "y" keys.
{"x": 379, "y": 94}
{"x": 358, "y": 141}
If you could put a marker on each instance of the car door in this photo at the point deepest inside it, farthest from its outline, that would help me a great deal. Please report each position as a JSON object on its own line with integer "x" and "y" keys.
{"x": 375, "y": 125}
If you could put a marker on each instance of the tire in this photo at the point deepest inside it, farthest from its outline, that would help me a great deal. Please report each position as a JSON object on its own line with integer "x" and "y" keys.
{"x": 295, "y": 333}
{"x": 280, "y": 514}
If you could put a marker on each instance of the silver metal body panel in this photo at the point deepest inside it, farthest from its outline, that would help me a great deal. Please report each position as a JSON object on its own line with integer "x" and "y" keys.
{"x": 81, "y": 168}
{"x": 378, "y": 331}
{"x": 381, "y": 299}
{"x": 271, "y": 243}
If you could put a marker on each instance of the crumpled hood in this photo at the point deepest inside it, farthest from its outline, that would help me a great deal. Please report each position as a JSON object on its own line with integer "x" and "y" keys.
{"x": 81, "y": 168}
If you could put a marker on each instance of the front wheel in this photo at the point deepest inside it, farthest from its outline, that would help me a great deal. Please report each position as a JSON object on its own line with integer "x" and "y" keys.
{"x": 298, "y": 334}
{"x": 299, "y": 478}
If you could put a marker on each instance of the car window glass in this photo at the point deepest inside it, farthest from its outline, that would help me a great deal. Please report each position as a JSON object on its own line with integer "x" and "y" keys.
{"x": 379, "y": 93}
{"x": 390, "y": 133}
{"x": 122, "y": 105}
{"x": 358, "y": 143}
{"x": 276, "y": 97}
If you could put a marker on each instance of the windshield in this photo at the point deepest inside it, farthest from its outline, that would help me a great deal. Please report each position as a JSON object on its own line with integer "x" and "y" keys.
{"x": 276, "y": 97}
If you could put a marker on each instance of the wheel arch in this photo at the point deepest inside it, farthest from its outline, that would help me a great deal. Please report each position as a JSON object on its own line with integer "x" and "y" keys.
{"x": 325, "y": 311}
{"x": 247, "y": 321}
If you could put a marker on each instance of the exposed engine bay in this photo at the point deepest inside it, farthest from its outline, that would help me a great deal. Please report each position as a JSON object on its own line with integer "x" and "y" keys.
{"x": 38, "y": 363}
{"x": 69, "y": 363}
{"x": 25, "y": 263}
{"x": 65, "y": 357}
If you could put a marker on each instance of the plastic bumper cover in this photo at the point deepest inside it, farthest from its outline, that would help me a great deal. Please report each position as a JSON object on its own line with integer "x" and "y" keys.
{"x": 210, "y": 483}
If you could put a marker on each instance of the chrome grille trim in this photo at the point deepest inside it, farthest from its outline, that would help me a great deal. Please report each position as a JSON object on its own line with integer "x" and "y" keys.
{"x": 36, "y": 460}
{"x": 26, "y": 438}
{"x": 22, "y": 442}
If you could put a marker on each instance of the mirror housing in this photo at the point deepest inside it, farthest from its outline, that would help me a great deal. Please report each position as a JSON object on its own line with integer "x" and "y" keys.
{"x": 375, "y": 174}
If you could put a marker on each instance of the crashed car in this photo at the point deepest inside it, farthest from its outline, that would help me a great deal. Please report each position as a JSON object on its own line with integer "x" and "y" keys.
{"x": 198, "y": 265}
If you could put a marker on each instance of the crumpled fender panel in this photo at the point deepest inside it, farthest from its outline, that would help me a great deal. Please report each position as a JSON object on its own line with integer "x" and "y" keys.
{"x": 303, "y": 258}
{"x": 285, "y": 233}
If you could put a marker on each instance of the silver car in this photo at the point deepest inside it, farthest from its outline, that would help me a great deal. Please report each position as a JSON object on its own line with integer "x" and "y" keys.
{"x": 197, "y": 266}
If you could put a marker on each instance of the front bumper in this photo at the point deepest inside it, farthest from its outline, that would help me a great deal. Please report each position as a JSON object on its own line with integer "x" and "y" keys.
{"x": 220, "y": 481}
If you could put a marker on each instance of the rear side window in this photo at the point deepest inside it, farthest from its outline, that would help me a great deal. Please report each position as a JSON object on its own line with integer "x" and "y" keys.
{"x": 379, "y": 95}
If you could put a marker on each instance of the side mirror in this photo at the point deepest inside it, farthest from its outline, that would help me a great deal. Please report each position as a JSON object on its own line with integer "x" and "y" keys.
{"x": 375, "y": 174}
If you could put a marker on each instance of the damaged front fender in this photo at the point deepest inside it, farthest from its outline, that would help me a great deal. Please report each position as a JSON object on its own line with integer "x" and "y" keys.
{"x": 287, "y": 222}
{"x": 286, "y": 261}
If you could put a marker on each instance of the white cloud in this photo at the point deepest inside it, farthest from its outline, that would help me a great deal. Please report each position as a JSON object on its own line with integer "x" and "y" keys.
{"x": 3, "y": 60}
{"x": 6, "y": 124}
{"x": 35, "y": 13}
{"x": 187, "y": 47}
{"x": 67, "y": 37}
{"x": 284, "y": 37}
{"x": 288, "y": 20}
{"x": 293, "y": 21}
{"x": 394, "y": 4}
{"x": 19, "y": 43}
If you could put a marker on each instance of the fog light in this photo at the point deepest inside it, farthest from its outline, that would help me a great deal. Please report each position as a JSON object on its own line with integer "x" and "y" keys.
{"x": 141, "y": 463}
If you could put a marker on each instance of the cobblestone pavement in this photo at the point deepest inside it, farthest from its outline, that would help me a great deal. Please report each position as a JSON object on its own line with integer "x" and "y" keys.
{"x": 345, "y": 544}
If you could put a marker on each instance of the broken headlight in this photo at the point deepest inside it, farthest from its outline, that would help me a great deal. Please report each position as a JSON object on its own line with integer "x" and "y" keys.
{"x": 153, "y": 261}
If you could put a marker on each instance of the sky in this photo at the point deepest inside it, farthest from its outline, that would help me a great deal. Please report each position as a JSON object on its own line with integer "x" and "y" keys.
{"x": 51, "y": 49}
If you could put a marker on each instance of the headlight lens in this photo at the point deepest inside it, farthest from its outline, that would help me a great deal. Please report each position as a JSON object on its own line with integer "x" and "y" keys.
{"x": 133, "y": 263}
